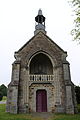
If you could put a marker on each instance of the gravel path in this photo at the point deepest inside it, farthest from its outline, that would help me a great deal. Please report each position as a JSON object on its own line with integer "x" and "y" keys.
{"x": 44, "y": 116}
{"x": 2, "y": 102}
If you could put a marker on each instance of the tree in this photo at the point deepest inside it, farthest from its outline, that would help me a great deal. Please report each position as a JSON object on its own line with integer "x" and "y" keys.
{"x": 3, "y": 90}
{"x": 76, "y": 31}
{"x": 77, "y": 91}
{"x": 1, "y": 95}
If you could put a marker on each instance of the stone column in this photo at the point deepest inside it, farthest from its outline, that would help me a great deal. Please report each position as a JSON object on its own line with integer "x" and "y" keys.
{"x": 68, "y": 85}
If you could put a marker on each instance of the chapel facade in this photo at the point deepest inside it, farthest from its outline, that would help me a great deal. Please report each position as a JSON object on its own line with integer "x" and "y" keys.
{"x": 41, "y": 80}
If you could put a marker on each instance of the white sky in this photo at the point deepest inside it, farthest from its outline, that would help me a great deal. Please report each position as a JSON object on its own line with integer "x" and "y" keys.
{"x": 17, "y": 26}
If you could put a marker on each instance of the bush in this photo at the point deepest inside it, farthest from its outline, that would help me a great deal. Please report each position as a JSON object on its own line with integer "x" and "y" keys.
{"x": 4, "y": 98}
{"x": 78, "y": 108}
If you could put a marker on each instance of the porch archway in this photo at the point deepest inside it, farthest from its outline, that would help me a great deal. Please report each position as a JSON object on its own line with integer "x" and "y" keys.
{"x": 41, "y": 64}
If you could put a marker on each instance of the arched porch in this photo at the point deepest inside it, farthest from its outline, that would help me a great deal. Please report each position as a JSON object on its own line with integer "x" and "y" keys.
{"x": 41, "y": 68}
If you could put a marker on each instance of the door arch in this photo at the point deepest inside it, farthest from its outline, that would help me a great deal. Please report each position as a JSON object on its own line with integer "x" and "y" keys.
{"x": 41, "y": 100}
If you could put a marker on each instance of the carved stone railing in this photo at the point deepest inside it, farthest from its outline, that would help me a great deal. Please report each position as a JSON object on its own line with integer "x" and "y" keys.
{"x": 41, "y": 78}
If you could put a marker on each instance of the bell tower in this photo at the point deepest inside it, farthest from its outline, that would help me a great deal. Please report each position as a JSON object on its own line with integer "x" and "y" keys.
{"x": 39, "y": 23}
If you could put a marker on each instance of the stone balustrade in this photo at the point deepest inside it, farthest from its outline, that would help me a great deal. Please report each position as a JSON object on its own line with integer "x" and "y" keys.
{"x": 41, "y": 77}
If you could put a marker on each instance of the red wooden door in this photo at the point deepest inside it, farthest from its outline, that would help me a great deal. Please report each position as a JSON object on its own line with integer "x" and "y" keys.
{"x": 41, "y": 101}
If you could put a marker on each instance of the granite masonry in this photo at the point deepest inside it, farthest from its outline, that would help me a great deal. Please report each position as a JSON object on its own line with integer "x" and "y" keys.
{"x": 41, "y": 80}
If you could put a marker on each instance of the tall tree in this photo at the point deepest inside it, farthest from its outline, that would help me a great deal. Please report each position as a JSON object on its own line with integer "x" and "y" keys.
{"x": 77, "y": 91}
{"x": 3, "y": 90}
{"x": 1, "y": 95}
{"x": 76, "y": 31}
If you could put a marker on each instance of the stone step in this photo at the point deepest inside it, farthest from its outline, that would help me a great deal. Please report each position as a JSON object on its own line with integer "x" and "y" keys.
{"x": 44, "y": 115}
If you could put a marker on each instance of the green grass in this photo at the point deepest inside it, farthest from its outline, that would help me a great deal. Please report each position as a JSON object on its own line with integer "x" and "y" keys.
{"x": 66, "y": 117}
{"x": 8, "y": 116}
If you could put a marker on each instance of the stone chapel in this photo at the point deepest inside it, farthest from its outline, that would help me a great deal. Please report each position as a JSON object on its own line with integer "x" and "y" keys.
{"x": 41, "y": 80}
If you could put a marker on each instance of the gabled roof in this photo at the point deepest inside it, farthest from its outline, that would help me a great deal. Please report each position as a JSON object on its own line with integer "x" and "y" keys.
{"x": 35, "y": 37}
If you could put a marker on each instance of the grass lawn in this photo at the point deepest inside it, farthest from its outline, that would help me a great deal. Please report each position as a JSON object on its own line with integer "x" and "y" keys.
{"x": 7, "y": 116}
{"x": 66, "y": 117}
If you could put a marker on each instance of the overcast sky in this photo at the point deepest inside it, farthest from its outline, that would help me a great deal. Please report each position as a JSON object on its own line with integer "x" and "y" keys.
{"x": 17, "y": 25}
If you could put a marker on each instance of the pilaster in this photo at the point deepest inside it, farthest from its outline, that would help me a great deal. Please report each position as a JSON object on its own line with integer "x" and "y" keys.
{"x": 69, "y": 101}
{"x": 68, "y": 88}
{"x": 26, "y": 89}
{"x": 12, "y": 102}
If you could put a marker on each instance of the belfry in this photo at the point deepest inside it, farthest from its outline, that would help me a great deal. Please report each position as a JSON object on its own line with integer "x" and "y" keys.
{"x": 40, "y": 22}
{"x": 41, "y": 80}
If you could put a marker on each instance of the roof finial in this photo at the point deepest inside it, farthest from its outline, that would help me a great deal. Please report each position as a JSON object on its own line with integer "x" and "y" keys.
{"x": 39, "y": 12}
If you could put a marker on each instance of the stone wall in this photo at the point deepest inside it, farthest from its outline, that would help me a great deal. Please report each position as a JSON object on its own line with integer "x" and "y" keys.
{"x": 22, "y": 93}
{"x": 50, "y": 96}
